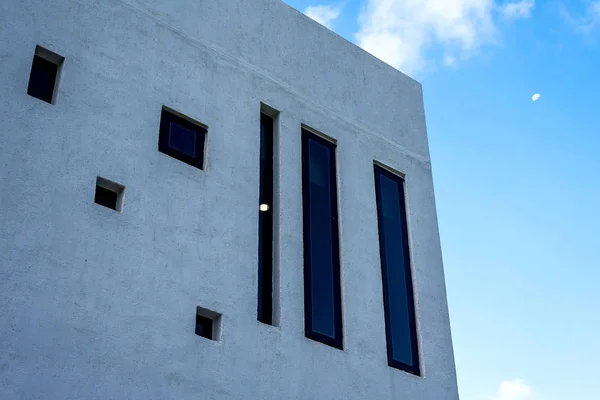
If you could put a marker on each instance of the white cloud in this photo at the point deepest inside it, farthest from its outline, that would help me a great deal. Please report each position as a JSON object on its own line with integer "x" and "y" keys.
{"x": 583, "y": 23}
{"x": 593, "y": 14}
{"x": 514, "y": 389}
{"x": 324, "y": 15}
{"x": 449, "y": 61}
{"x": 401, "y": 32}
{"x": 521, "y": 9}
{"x": 594, "y": 10}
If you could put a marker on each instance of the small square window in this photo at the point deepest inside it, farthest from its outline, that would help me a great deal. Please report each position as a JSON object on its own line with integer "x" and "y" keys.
{"x": 43, "y": 79}
{"x": 109, "y": 194}
{"x": 208, "y": 324}
{"x": 182, "y": 138}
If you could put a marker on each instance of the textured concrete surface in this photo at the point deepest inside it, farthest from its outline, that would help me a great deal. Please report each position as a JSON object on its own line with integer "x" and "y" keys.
{"x": 101, "y": 305}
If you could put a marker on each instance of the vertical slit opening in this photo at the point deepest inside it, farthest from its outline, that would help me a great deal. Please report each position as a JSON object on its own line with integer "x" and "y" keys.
{"x": 267, "y": 275}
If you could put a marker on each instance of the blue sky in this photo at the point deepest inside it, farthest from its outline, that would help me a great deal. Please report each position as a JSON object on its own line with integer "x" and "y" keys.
{"x": 517, "y": 181}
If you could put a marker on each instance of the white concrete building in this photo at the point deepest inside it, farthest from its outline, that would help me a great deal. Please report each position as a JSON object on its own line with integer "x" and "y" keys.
{"x": 208, "y": 274}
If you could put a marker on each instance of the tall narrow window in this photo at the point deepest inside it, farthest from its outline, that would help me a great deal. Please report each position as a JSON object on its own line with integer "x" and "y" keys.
{"x": 322, "y": 293}
{"x": 400, "y": 327}
{"x": 265, "y": 222}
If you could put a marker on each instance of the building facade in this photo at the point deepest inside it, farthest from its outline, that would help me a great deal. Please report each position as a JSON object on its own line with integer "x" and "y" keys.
{"x": 212, "y": 200}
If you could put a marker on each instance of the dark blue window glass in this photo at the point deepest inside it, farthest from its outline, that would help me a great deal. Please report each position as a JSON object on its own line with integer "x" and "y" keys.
{"x": 323, "y": 316}
{"x": 395, "y": 267}
{"x": 181, "y": 138}
{"x": 42, "y": 79}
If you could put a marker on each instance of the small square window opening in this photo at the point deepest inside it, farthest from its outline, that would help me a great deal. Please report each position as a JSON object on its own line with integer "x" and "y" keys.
{"x": 109, "y": 194}
{"x": 44, "y": 76}
{"x": 208, "y": 324}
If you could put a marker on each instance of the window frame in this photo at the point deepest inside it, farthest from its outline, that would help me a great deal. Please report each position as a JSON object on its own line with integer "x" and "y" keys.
{"x": 400, "y": 181}
{"x": 337, "y": 341}
{"x": 169, "y": 116}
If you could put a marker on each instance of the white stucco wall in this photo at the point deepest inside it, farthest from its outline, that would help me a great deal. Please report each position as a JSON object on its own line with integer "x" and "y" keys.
{"x": 101, "y": 305}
